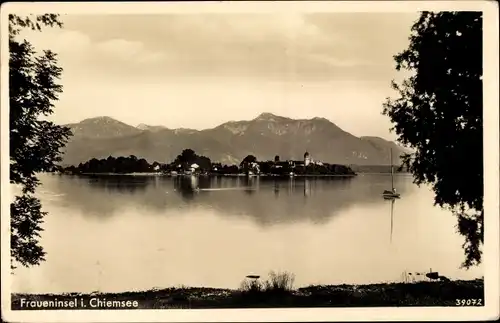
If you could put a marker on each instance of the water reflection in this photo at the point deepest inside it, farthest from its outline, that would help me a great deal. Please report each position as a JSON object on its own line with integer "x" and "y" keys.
{"x": 186, "y": 187}
{"x": 266, "y": 200}
{"x": 392, "y": 218}
{"x": 217, "y": 230}
{"x": 116, "y": 184}
{"x": 307, "y": 187}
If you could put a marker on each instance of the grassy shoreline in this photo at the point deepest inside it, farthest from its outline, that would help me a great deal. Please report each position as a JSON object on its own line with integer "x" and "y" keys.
{"x": 438, "y": 293}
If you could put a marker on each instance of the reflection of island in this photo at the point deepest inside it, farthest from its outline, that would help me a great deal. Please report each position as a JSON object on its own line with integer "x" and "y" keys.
{"x": 186, "y": 187}
{"x": 266, "y": 200}
{"x": 307, "y": 187}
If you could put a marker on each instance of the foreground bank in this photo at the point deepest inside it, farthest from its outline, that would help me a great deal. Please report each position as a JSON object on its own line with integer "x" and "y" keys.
{"x": 440, "y": 293}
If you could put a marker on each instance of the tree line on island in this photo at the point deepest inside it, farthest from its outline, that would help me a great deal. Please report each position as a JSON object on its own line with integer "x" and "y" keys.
{"x": 188, "y": 162}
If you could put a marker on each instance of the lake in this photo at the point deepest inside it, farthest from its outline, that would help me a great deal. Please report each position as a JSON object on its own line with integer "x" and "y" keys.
{"x": 124, "y": 233}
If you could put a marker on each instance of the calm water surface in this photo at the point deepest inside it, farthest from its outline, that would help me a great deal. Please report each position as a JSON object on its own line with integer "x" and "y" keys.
{"x": 135, "y": 233}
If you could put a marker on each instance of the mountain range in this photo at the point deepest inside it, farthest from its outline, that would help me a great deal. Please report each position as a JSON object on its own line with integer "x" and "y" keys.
{"x": 264, "y": 137}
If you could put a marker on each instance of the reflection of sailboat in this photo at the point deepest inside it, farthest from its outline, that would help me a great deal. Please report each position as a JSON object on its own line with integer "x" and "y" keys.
{"x": 392, "y": 193}
{"x": 392, "y": 217}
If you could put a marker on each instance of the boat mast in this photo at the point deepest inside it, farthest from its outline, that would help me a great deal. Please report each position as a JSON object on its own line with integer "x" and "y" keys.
{"x": 392, "y": 174}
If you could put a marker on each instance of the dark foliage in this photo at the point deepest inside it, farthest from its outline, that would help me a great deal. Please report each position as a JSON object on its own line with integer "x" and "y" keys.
{"x": 248, "y": 160}
{"x": 188, "y": 157}
{"x": 230, "y": 169}
{"x": 34, "y": 144}
{"x": 120, "y": 165}
{"x": 439, "y": 114}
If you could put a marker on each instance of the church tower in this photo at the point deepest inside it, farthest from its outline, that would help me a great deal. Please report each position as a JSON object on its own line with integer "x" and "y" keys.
{"x": 307, "y": 159}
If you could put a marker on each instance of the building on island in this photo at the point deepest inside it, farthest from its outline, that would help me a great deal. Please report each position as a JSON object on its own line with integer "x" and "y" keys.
{"x": 307, "y": 159}
{"x": 194, "y": 168}
{"x": 254, "y": 168}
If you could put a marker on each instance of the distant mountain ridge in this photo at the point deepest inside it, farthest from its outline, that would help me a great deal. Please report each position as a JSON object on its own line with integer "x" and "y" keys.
{"x": 143, "y": 126}
{"x": 102, "y": 127}
{"x": 265, "y": 136}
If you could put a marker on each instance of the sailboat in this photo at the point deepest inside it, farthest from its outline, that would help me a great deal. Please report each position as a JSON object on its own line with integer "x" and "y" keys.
{"x": 392, "y": 193}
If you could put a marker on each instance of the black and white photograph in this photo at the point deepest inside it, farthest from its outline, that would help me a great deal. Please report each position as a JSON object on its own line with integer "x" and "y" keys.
{"x": 252, "y": 161}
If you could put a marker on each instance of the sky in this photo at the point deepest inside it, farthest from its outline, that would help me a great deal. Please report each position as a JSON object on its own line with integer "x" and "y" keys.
{"x": 200, "y": 70}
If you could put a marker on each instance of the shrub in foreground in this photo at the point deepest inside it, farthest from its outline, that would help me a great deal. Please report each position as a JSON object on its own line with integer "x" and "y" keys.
{"x": 278, "y": 282}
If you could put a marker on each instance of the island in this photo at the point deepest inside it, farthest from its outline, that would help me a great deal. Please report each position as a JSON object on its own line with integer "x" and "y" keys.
{"x": 190, "y": 163}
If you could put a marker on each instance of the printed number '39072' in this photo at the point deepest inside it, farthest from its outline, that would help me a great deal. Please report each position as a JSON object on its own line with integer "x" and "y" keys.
{"x": 469, "y": 302}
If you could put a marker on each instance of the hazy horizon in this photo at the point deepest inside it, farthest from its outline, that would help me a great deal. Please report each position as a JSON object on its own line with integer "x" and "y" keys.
{"x": 198, "y": 71}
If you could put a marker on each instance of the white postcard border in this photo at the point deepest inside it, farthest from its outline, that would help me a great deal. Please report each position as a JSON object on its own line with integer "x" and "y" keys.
{"x": 490, "y": 148}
